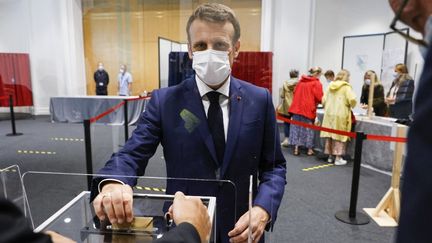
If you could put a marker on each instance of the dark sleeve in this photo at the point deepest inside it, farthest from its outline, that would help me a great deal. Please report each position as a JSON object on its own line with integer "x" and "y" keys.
{"x": 94, "y": 77}
{"x": 405, "y": 91}
{"x": 107, "y": 78}
{"x": 363, "y": 97}
{"x": 14, "y": 226}
{"x": 183, "y": 233}
{"x": 132, "y": 159}
{"x": 378, "y": 96}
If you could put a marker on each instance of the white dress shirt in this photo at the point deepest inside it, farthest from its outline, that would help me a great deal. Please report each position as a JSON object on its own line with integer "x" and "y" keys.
{"x": 203, "y": 89}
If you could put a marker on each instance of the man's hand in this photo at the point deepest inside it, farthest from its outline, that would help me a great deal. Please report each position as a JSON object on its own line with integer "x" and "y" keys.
{"x": 57, "y": 238}
{"x": 258, "y": 223}
{"x": 115, "y": 202}
{"x": 193, "y": 211}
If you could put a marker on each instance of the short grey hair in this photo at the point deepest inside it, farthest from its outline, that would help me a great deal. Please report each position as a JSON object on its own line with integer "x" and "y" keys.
{"x": 215, "y": 13}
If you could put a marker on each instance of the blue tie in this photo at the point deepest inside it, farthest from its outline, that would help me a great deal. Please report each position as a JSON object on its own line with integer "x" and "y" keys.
{"x": 215, "y": 123}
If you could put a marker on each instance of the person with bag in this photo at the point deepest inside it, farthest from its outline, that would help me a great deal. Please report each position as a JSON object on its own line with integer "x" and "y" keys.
{"x": 286, "y": 95}
{"x": 307, "y": 95}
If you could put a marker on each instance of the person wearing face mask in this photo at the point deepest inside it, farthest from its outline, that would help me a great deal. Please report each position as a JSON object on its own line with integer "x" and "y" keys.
{"x": 211, "y": 126}
{"x": 415, "y": 213}
{"x": 329, "y": 75}
{"x": 101, "y": 79}
{"x": 378, "y": 105}
{"x": 124, "y": 81}
{"x": 399, "y": 97}
{"x": 307, "y": 95}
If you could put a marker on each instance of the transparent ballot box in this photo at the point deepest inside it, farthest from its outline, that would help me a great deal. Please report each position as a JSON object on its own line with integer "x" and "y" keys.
{"x": 11, "y": 187}
{"x": 149, "y": 223}
{"x": 61, "y": 202}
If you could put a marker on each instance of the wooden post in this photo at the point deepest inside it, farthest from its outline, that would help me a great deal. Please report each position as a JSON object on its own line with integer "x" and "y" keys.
{"x": 372, "y": 78}
{"x": 386, "y": 213}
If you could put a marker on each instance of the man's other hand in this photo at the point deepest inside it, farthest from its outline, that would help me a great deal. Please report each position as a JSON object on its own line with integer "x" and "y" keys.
{"x": 115, "y": 202}
{"x": 258, "y": 223}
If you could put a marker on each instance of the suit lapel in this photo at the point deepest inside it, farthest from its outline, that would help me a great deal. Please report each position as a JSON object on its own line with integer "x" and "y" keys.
{"x": 195, "y": 106}
{"x": 235, "y": 111}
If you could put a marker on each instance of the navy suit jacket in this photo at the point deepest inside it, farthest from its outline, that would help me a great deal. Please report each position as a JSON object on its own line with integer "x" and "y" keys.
{"x": 414, "y": 222}
{"x": 175, "y": 117}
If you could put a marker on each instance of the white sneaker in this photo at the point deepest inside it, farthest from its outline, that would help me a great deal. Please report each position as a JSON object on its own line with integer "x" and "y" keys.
{"x": 340, "y": 162}
{"x": 285, "y": 142}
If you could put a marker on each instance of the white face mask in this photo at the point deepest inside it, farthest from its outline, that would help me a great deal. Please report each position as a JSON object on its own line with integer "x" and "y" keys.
{"x": 211, "y": 66}
{"x": 121, "y": 70}
{"x": 427, "y": 37}
{"x": 367, "y": 81}
{"x": 100, "y": 68}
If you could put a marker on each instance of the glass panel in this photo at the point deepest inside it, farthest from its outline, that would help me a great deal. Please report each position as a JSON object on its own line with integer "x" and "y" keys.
{"x": 61, "y": 202}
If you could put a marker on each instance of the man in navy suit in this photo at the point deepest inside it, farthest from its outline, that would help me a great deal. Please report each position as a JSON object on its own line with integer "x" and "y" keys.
{"x": 212, "y": 126}
{"x": 414, "y": 221}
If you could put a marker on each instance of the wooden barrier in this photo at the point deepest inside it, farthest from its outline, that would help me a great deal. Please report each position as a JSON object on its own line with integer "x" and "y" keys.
{"x": 386, "y": 213}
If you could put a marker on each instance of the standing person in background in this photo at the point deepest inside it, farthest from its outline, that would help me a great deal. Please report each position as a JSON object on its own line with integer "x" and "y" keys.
{"x": 287, "y": 94}
{"x": 415, "y": 214}
{"x": 379, "y": 106}
{"x": 307, "y": 95}
{"x": 329, "y": 76}
{"x": 399, "y": 97}
{"x": 338, "y": 101}
{"x": 101, "y": 78}
{"x": 124, "y": 81}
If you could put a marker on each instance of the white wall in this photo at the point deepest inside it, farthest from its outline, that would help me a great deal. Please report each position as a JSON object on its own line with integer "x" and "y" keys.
{"x": 338, "y": 18}
{"x": 287, "y": 31}
{"x": 51, "y": 32}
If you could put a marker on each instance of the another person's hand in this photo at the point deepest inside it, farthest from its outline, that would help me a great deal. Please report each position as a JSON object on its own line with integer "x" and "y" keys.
{"x": 258, "y": 223}
{"x": 57, "y": 238}
{"x": 115, "y": 202}
{"x": 191, "y": 210}
{"x": 389, "y": 101}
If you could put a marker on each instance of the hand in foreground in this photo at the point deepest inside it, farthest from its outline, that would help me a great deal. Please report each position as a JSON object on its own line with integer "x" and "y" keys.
{"x": 258, "y": 223}
{"x": 115, "y": 201}
{"x": 193, "y": 211}
{"x": 57, "y": 238}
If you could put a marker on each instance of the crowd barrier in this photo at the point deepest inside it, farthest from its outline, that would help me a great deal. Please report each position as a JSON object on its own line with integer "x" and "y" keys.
{"x": 87, "y": 131}
{"x": 386, "y": 213}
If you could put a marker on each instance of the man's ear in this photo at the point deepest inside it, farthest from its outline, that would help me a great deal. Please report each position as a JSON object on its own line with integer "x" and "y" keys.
{"x": 236, "y": 48}
{"x": 190, "y": 51}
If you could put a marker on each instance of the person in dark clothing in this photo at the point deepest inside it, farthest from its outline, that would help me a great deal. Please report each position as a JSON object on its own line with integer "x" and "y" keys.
{"x": 399, "y": 97}
{"x": 378, "y": 104}
{"x": 415, "y": 214}
{"x": 101, "y": 78}
{"x": 14, "y": 227}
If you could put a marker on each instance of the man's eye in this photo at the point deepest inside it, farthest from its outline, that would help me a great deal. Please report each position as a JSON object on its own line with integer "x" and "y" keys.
{"x": 221, "y": 46}
{"x": 200, "y": 47}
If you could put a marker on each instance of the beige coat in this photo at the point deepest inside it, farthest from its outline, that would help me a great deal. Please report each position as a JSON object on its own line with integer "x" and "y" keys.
{"x": 286, "y": 95}
{"x": 338, "y": 101}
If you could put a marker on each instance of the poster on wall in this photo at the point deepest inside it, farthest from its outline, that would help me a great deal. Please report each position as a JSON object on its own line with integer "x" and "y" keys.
{"x": 377, "y": 52}
{"x": 361, "y": 53}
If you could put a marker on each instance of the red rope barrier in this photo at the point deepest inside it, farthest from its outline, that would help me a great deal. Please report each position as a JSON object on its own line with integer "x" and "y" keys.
{"x": 112, "y": 109}
{"x": 386, "y": 138}
{"x": 318, "y": 128}
{"x": 349, "y": 134}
